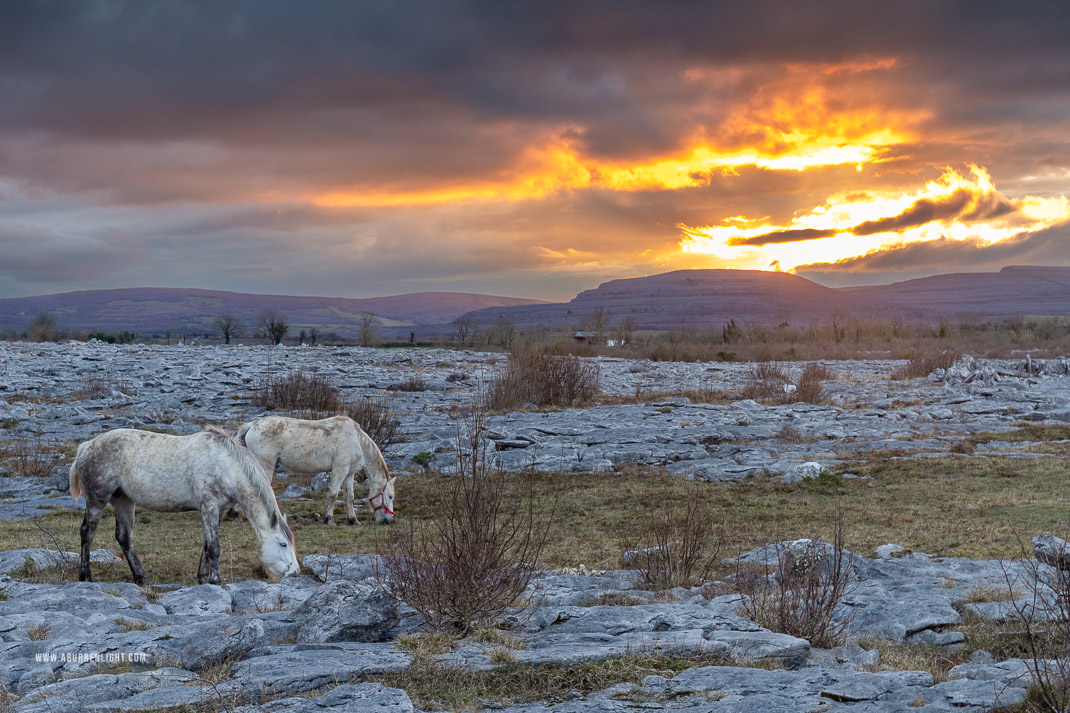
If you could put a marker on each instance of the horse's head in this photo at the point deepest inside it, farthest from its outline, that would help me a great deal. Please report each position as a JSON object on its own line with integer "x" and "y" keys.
{"x": 276, "y": 550}
{"x": 382, "y": 503}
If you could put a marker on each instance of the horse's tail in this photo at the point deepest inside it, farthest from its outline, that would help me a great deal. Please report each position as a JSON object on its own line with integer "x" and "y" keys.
{"x": 76, "y": 486}
{"x": 240, "y": 437}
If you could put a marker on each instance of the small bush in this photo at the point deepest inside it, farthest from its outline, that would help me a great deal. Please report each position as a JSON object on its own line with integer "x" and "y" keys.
{"x": 413, "y": 382}
{"x": 98, "y": 385}
{"x": 765, "y": 381}
{"x": 297, "y": 391}
{"x": 376, "y": 419}
{"x": 1044, "y": 618}
{"x": 476, "y": 555}
{"x": 811, "y": 385}
{"x": 534, "y": 375}
{"x": 29, "y": 457}
{"x": 801, "y": 594}
{"x": 680, "y": 546}
{"x": 922, "y": 364}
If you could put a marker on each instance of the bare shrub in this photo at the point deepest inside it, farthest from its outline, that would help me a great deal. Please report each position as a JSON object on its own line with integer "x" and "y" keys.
{"x": 810, "y": 388}
{"x": 1044, "y": 617}
{"x": 533, "y": 375}
{"x": 101, "y": 385}
{"x": 376, "y": 419}
{"x": 297, "y": 391}
{"x": 801, "y": 593}
{"x": 478, "y": 551}
{"x": 679, "y": 546}
{"x": 765, "y": 381}
{"x": 30, "y": 457}
{"x": 413, "y": 382}
{"x": 921, "y": 364}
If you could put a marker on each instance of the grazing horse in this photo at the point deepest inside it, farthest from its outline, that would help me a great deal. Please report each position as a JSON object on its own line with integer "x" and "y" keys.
{"x": 335, "y": 444}
{"x": 208, "y": 471}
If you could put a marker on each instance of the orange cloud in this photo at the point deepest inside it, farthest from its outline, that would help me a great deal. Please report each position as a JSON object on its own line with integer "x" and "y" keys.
{"x": 806, "y": 117}
{"x": 848, "y": 225}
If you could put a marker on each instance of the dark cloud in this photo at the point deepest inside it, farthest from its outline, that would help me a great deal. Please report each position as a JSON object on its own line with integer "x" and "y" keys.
{"x": 1046, "y": 247}
{"x": 783, "y": 236}
{"x": 962, "y": 204}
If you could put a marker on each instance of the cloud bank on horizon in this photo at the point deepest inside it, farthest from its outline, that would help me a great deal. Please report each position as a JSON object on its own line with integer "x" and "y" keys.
{"x": 531, "y": 149}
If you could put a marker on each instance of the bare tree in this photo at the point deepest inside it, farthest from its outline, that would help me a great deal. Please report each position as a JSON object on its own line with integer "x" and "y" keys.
{"x": 313, "y": 335}
{"x": 464, "y": 328}
{"x": 625, "y": 328}
{"x": 504, "y": 332}
{"x": 598, "y": 322}
{"x": 228, "y": 326}
{"x": 369, "y": 330}
{"x": 43, "y": 328}
{"x": 274, "y": 326}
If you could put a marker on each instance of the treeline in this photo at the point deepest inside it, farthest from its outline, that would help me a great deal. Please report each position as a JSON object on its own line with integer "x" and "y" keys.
{"x": 602, "y": 334}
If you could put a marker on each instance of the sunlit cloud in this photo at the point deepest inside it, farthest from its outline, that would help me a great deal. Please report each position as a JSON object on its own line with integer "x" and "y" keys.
{"x": 848, "y": 225}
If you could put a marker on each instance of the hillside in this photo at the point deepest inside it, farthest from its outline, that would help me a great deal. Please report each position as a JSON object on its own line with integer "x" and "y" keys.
{"x": 1011, "y": 291}
{"x": 702, "y": 299}
{"x": 155, "y": 310}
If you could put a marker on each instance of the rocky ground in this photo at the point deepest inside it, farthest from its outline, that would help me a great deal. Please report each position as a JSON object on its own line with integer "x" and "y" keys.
{"x": 316, "y": 641}
{"x": 44, "y": 394}
{"x": 287, "y": 645}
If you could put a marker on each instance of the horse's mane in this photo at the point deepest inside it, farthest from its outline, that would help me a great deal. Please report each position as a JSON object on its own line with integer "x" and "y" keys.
{"x": 366, "y": 441}
{"x": 253, "y": 472}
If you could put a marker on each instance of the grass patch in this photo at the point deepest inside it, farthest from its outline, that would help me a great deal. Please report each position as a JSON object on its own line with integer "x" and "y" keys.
{"x": 434, "y": 687}
{"x": 947, "y": 506}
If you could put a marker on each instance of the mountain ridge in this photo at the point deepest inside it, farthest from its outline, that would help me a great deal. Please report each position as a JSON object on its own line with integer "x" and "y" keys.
{"x": 192, "y": 310}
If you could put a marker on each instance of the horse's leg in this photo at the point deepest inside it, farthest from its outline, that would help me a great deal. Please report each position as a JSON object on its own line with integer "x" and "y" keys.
{"x": 124, "y": 535}
{"x": 337, "y": 476}
{"x": 208, "y": 571}
{"x": 93, "y": 511}
{"x": 351, "y": 515}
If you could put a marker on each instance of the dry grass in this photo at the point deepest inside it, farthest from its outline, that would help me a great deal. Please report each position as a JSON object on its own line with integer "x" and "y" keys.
{"x": 127, "y": 625}
{"x": 101, "y": 385}
{"x": 39, "y": 632}
{"x": 434, "y": 687}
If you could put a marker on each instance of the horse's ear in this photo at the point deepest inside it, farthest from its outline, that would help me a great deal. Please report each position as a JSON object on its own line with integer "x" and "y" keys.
{"x": 391, "y": 481}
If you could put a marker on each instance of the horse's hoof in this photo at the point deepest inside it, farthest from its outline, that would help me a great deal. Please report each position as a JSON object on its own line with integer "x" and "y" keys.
{"x": 316, "y": 517}
{"x": 329, "y": 521}
{"x": 351, "y": 521}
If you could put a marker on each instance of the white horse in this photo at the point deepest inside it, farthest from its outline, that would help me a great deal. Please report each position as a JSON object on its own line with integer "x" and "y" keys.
{"x": 208, "y": 471}
{"x": 335, "y": 444}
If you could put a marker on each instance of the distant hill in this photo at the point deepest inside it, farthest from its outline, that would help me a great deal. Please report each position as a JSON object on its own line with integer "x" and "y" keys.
{"x": 1011, "y": 291}
{"x": 703, "y": 299}
{"x": 147, "y": 310}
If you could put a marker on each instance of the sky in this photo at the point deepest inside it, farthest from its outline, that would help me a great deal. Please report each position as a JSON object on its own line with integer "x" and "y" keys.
{"x": 530, "y": 149}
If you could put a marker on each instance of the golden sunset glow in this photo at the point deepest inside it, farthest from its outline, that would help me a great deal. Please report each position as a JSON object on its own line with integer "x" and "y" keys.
{"x": 954, "y": 206}
{"x": 793, "y": 124}
{"x": 368, "y": 148}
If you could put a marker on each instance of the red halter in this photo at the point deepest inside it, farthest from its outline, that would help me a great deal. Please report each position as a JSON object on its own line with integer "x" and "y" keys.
{"x": 381, "y": 506}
